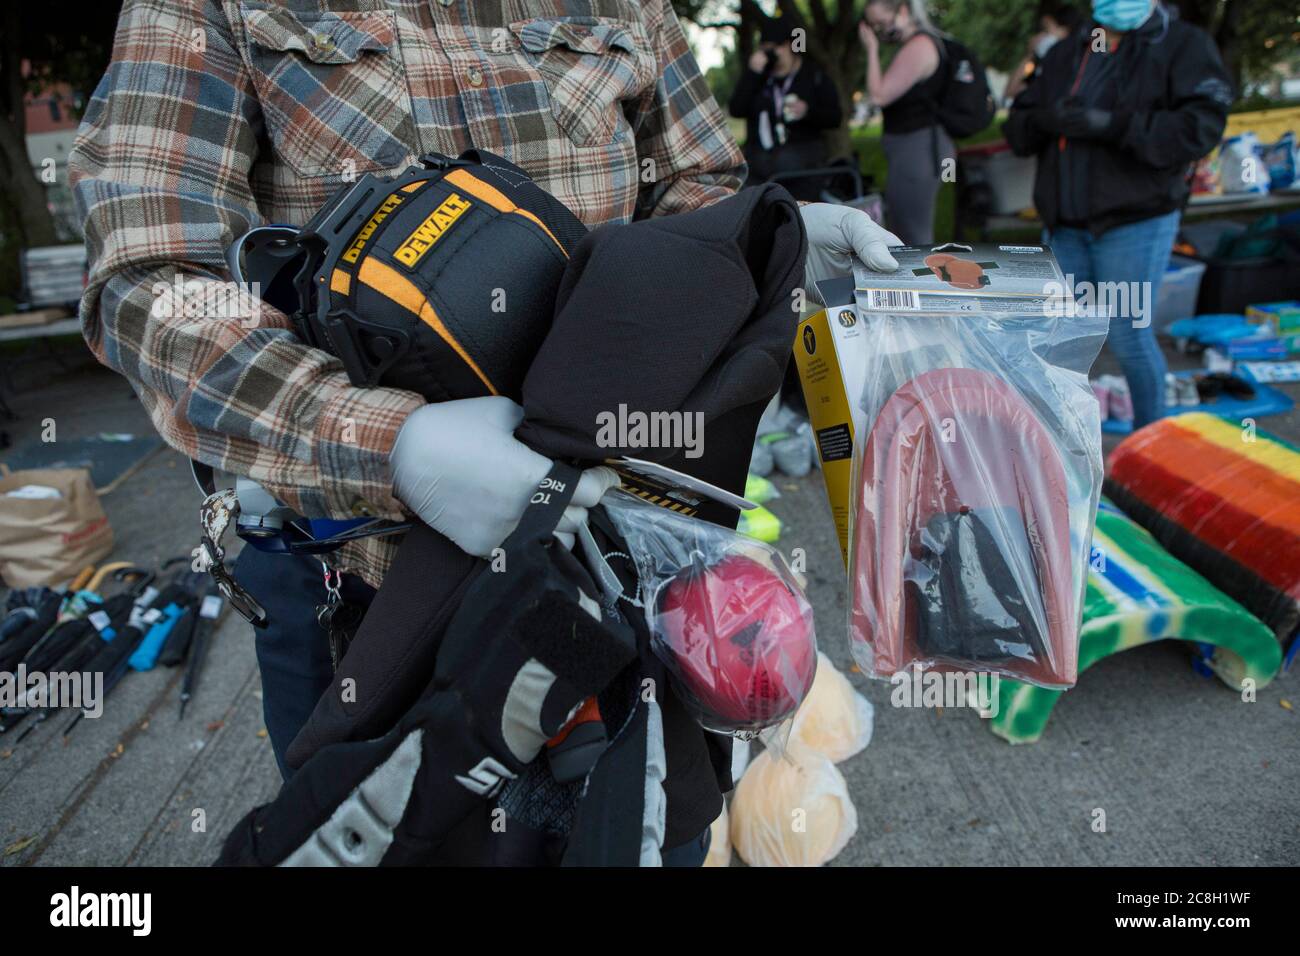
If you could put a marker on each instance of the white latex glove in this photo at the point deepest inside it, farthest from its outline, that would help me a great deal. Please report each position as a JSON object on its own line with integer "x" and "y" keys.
{"x": 459, "y": 468}
{"x": 836, "y": 234}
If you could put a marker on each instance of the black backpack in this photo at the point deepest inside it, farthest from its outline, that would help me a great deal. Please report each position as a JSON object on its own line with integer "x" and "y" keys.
{"x": 965, "y": 103}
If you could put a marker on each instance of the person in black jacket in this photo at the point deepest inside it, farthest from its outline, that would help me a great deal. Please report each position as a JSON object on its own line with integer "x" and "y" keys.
{"x": 786, "y": 101}
{"x": 1117, "y": 115}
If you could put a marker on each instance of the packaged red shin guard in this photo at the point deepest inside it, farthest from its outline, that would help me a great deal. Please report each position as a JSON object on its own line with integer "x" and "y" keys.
{"x": 976, "y": 480}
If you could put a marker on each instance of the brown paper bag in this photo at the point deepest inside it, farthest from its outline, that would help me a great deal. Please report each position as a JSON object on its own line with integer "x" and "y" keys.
{"x": 48, "y": 540}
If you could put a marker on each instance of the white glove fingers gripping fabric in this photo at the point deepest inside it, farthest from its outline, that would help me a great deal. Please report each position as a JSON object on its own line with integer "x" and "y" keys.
{"x": 591, "y": 487}
{"x": 571, "y": 520}
{"x": 459, "y": 468}
{"x": 593, "y": 484}
{"x": 500, "y": 412}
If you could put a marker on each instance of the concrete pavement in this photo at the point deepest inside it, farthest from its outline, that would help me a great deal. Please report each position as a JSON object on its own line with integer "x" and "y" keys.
{"x": 1185, "y": 772}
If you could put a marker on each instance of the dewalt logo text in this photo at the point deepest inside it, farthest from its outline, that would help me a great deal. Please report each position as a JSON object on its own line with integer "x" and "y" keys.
{"x": 431, "y": 230}
{"x": 368, "y": 230}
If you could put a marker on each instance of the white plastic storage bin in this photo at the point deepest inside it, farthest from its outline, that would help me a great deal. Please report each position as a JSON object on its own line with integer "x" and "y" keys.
{"x": 1178, "y": 291}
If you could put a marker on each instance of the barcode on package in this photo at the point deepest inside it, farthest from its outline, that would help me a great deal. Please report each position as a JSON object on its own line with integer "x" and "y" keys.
{"x": 895, "y": 300}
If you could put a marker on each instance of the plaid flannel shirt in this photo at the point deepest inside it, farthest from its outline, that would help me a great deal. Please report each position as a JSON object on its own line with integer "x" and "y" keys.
{"x": 218, "y": 115}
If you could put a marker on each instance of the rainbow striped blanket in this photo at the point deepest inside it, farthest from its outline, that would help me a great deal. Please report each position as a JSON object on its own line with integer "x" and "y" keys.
{"x": 1224, "y": 498}
{"x": 1137, "y": 593}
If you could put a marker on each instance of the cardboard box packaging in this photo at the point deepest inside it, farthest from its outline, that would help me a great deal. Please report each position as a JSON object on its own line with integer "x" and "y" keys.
{"x": 829, "y": 355}
{"x": 952, "y": 277}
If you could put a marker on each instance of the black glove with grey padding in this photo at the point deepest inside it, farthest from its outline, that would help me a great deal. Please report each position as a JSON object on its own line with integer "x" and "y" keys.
{"x": 527, "y": 647}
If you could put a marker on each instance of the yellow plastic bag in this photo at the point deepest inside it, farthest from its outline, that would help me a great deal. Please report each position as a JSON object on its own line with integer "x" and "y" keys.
{"x": 834, "y": 719}
{"x": 792, "y": 811}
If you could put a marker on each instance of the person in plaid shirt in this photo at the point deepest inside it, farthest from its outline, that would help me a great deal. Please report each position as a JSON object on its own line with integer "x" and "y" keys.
{"x": 216, "y": 116}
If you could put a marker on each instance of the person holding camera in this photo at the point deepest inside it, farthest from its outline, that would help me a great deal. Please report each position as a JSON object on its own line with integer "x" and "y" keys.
{"x": 787, "y": 101}
{"x": 1056, "y": 21}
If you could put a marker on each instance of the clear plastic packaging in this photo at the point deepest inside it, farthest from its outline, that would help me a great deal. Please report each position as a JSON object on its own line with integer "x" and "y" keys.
{"x": 835, "y": 720}
{"x": 726, "y": 615}
{"x": 976, "y": 477}
{"x": 791, "y": 811}
{"x": 720, "y": 840}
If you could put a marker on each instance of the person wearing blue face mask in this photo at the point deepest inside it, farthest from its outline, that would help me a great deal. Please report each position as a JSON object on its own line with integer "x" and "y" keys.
{"x": 1119, "y": 111}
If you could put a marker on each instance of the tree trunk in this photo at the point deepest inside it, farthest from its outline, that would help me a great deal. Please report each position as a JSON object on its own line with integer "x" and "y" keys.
{"x": 1227, "y": 38}
{"x": 23, "y": 190}
{"x": 749, "y": 21}
{"x": 838, "y": 141}
{"x": 840, "y": 54}
{"x": 1223, "y": 26}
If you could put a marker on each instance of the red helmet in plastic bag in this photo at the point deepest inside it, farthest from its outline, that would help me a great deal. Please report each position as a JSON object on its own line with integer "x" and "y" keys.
{"x": 741, "y": 640}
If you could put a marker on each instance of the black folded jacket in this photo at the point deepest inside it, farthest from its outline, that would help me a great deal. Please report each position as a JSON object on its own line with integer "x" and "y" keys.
{"x": 689, "y": 313}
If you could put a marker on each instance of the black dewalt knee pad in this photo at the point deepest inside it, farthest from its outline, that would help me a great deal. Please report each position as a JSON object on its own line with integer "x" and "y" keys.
{"x": 441, "y": 280}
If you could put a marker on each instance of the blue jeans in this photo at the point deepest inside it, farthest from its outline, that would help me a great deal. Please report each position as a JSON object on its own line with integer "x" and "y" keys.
{"x": 292, "y": 650}
{"x": 1134, "y": 253}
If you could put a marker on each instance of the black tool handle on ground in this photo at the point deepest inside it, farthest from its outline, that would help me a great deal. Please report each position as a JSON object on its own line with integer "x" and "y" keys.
{"x": 177, "y": 645}
{"x": 204, "y": 630}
